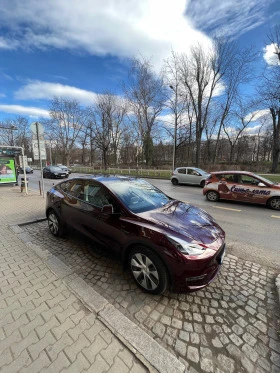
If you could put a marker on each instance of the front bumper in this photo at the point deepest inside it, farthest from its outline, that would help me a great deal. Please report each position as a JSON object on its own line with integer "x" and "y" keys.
{"x": 194, "y": 283}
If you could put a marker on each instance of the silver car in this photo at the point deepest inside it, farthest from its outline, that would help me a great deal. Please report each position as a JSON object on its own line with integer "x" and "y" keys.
{"x": 189, "y": 175}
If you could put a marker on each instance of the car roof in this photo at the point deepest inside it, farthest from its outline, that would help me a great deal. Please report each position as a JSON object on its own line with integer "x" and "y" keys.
{"x": 232, "y": 172}
{"x": 104, "y": 179}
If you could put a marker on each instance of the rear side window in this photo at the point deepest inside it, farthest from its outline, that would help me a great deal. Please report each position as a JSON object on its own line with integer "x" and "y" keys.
{"x": 76, "y": 189}
{"x": 181, "y": 170}
{"x": 64, "y": 186}
{"x": 230, "y": 178}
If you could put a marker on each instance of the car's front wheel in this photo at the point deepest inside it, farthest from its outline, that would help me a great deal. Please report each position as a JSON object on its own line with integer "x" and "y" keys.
{"x": 274, "y": 203}
{"x": 54, "y": 224}
{"x": 148, "y": 270}
{"x": 202, "y": 183}
{"x": 212, "y": 196}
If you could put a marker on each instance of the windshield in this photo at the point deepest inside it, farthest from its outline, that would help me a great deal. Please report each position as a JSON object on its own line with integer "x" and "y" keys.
{"x": 55, "y": 169}
{"x": 201, "y": 171}
{"x": 265, "y": 180}
{"x": 138, "y": 195}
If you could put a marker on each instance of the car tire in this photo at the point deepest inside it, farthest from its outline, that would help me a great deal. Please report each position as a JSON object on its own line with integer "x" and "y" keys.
{"x": 212, "y": 196}
{"x": 148, "y": 270}
{"x": 54, "y": 224}
{"x": 202, "y": 184}
{"x": 174, "y": 181}
{"x": 274, "y": 203}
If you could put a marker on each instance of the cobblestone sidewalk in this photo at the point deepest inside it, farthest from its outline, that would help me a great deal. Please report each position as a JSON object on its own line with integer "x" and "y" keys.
{"x": 231, "y": 326}
{"x": 44, "y": 326}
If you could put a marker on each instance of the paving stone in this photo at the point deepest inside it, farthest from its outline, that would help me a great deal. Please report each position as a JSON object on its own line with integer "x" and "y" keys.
{"x": 247, "y": 364}
{"x": 180, "y": 347}
{"x": 226, "y": 363}
{"x": 275, "y": 358}
{"x": 248, "y": 338}
{"x": 193, "y": 354}
{"x": 235, "y": 339}
{"x": 250, "y": 352}
{"x": 217, "y": 343}
{"x": 206, "y": 365}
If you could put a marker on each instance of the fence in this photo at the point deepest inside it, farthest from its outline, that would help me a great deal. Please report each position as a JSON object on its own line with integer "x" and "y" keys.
{"x": 141, "y": 172}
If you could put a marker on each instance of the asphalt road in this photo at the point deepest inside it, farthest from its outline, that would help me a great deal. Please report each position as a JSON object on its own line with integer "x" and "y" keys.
{"x": 252, "y": 231}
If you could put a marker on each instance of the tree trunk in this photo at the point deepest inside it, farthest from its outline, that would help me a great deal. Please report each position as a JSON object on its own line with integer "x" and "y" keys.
{"x": 276, "y": 139}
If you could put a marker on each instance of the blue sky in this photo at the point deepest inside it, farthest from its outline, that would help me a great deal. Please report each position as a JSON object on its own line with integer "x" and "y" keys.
{"x": 76, "y": 49}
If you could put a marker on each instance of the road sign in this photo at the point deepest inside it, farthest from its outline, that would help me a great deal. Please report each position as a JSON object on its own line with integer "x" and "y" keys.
{"x": 23, "y": 161}
{"x": 36, "y": 149}
{"x": 35, "y": 125}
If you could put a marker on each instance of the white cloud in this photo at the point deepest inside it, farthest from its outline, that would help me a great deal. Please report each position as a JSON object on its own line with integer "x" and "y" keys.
{"x": 124, "y": 27}
{"x": 117, "y": 27}
{"x": 269, "y": 55}
{"x": 229, "y": 18}
{"x": 24, "y": 110}
{"x": 257, "y": 115}
{"x": 45, "y": 90}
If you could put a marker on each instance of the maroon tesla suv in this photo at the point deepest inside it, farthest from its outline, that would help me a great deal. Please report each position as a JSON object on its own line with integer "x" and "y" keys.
{"x": 164, "y": 242}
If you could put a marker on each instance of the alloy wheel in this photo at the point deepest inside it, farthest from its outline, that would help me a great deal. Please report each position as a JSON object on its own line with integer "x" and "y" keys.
{"x": 144, "y": 271}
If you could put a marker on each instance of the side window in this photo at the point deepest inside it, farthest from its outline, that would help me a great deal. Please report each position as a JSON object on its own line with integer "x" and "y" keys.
{"x": 193, "y": 172}
{"x": 230, "y": 178}
{"x": 181, "y": 170}
{"x": 248, "y": 180}
{"x": 77, "y": 189}
{"x": 98, "y": 196}
{"x": 64, "y": 186}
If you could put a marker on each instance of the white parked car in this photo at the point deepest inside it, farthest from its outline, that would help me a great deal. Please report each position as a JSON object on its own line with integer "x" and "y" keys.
{"x": 189, "y": 175}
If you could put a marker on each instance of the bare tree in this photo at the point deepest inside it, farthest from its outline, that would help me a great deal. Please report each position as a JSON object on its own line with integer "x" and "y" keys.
{"x": 175, "y": 102}
{"x": 15, "y": 132}
{"x": 106, "y": 121}
{"x": 237, "y": 72}
{"x": 269, "y": 92}
{"x": 202, "y": 74}
{"x": 66, "y": 120}
{"x": 145, "y": 93}
{"x": 238, "y": 121}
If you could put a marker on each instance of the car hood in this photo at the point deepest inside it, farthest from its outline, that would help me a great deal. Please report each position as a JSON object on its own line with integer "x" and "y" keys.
{"x": 186, "y": 220}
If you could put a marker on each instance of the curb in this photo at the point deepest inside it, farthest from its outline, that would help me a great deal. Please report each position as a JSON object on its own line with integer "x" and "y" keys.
{"x": 155, "y": 357}
{"x": 277, "y": 282}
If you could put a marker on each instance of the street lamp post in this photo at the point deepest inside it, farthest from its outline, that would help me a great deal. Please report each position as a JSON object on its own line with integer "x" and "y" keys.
{"x": 175, "y": 128}
{"x": 12, "y": 128}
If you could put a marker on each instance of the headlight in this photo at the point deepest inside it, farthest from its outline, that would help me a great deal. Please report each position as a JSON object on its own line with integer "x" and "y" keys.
{"x": 187, "y": 248}
{"x": 56, "y": 173}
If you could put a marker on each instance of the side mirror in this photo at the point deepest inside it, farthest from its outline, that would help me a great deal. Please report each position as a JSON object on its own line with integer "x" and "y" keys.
{"x": 107, "y": 210}
{"x": 261, "y": 185}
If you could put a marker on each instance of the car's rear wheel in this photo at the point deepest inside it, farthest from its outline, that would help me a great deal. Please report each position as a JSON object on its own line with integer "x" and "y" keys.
{"x": 212, "y": 196}
{"x": 148, "y": 270}
{"x": 174, "y": 182}
{"x": 54, "y": 224}
{"x": 202, "y": 183}
{"x": 274, "y": 203}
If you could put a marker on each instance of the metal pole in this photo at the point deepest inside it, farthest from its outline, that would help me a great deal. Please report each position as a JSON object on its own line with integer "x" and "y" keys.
{"x": 24, "y": 171}
{"x": 51, "y": 153}
{"x": 39, "y": 149}
{"x": 175, "y": 142}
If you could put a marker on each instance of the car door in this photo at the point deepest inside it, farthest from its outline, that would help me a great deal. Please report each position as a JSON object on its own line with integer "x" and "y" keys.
{"x": 193, "y": 176}
{"x": 226, "y": 182}
{"x": 181, "y": 172}
{"x": 251, "y": 189}
{"x": 84, "y": 211}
